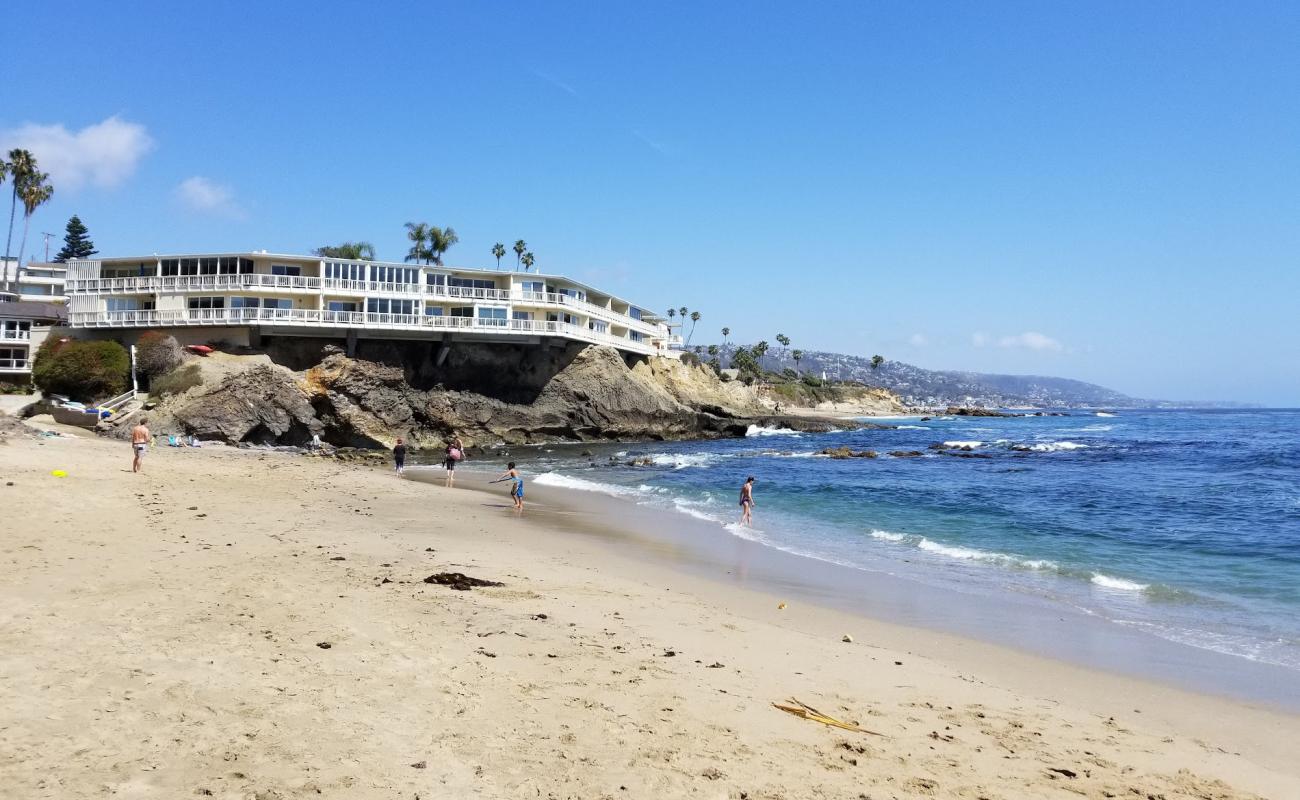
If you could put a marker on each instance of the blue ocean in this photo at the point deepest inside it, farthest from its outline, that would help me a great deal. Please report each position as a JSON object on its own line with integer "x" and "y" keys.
{"x": 1184, "y": 525}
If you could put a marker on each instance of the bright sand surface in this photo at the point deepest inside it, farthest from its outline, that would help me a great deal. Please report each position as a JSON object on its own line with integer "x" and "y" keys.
{"x": 160, "y": 638}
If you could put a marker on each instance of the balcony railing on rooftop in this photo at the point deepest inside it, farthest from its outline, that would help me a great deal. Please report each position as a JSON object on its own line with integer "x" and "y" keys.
{"x": 15, "y": 334}
{"x": 311, "y": 317}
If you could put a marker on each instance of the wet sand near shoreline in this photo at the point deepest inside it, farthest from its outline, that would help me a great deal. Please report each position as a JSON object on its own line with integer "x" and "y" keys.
{"x": 244, "y": 624}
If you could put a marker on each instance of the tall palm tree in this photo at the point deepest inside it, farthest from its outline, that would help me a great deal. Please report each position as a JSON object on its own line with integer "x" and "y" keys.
{"x": 21, "y": 166}
{"x": 725, "y": 333}
{"x": 527, "y": 260}
{"x": 440, "y": 241}
{"x": 672, "y": 312}
{"x": 519, "y": 248}
{"x": 36, "y": 192}
{"x": 784, "y": 341}
{"x": 683, "y": 311}
{"x": 695, "y": 317}
{"x": 499, "y": 251}
{"x": 418, "y": 233}
{"x": 4, "y": 271}
{"x": 760, "y": 350}
{"x": 797, "y": 356}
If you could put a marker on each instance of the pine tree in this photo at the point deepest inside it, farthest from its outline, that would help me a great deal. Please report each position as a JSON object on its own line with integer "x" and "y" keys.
{"x": 76, "y": 244}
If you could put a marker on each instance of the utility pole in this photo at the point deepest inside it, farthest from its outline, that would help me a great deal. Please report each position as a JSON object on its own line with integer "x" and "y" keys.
{"x": 47, "y": 236}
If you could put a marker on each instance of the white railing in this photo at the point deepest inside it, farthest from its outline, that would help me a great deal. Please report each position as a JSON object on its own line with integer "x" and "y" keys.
{"x": 117, "y": 402}
{"x": 15, "y": 334}
{"x": 189, "y": 283}
{"x": 15, "y": 365}
{"x": 353, "y": 319}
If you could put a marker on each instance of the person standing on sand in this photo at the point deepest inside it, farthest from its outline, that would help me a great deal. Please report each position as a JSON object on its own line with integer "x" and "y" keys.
{"x": 516, "y": 485}
{"x": 139, "y": 444}
{"x": 399, "y": 455}
{"x": 455, "y": 452}
{"x": 747, "y": 502}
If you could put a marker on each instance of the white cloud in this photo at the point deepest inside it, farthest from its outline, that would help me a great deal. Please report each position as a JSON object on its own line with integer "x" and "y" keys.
{"x": 979, "y": 339}
{"x": 104, "y": 154}
{"x": 1031, "y": 340}
{"x": 918, "y": 340}
{"x": 205, "y": 196}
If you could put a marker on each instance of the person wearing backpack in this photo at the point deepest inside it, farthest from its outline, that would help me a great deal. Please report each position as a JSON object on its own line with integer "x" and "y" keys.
{"x": 455, "y": 453}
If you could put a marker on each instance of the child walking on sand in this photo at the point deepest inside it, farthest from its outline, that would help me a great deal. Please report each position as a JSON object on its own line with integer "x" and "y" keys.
{"x": 399, "y": 456}
{"x": 516, "y": 485}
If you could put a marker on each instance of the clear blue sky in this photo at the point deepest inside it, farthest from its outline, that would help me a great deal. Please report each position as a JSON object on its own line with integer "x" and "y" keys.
{"x": 1105, "y": 191}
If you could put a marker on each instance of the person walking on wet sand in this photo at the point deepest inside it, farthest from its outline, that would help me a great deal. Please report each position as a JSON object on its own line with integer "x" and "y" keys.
{"x": 516, "y": 485}
{"x": 747, "y": 502}
{"x": 455, "y": 452}
{"x": 399, "y": 455}
{"x": 139, "y": 444}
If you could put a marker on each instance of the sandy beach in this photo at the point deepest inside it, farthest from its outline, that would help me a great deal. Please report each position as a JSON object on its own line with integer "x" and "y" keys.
{"x": 249, "y": 624}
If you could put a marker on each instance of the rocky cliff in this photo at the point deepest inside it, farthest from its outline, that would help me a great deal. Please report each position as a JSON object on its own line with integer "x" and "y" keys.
{"x": 484, "y": 394}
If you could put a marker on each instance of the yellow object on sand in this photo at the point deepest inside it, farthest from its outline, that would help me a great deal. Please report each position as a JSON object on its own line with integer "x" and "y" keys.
{"x": 808, "y": 712}
{"x": 58, "y": 473}
{"x": 780, "y": 607}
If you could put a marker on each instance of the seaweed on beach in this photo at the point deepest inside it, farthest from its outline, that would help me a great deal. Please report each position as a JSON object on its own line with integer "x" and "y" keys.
{"x": 459, "y": 581}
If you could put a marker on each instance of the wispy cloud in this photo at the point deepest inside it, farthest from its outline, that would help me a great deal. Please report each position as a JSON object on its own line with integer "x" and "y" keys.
{"x": 1029, "y": 340}
{"x": 104, "y": 154}
{"x": 918, "y": 340}
{"x": 655, "y": 145}
{"x": 207, "y": 197}
{"x": 556, "y": 82}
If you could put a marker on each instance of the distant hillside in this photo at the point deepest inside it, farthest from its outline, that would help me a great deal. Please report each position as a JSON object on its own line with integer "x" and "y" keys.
{"x": 928, "y": 387}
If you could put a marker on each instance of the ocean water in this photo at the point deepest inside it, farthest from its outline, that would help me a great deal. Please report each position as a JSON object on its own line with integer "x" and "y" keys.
{"x": 1183, "y": 525}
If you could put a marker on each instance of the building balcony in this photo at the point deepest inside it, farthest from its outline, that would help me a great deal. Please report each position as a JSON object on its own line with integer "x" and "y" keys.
{"x": 370, "y": 321}
{"x": 13, "y": 365}
{"x": 15, "y": 335}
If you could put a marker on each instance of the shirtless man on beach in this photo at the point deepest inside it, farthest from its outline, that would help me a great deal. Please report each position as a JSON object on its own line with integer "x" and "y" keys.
{"x": 747, "y": 502}
{"x": 139, "y": 444}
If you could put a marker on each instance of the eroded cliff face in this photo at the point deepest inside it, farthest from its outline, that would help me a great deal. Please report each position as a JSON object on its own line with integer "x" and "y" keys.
{"x": 484, "y": 394}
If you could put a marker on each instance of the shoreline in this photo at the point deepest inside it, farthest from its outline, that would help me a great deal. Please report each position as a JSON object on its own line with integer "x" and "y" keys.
{"x": 707, "y": 550}
{"x": 164, "y": 637}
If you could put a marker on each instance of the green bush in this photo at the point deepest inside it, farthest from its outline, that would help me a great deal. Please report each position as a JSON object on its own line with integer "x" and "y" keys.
{"x": 176, "y": 381}
{"x": 85, "y": 371}
{"x": 157, "y": 354}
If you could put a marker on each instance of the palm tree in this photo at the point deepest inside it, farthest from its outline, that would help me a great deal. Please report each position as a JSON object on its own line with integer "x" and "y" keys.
{"x": 713, "y": 350}
{"x": 352, "y": 251}
{"x": 418, "y": 233}
{"x": 36, "y": 192}
{"x": 725, "y": 333}
{"x": 695, "y": 317}
{"x": 796, "y": 355}
{"x": 498, "y": 250}
{"x": 519, "y": 249}
{"x": 672, "y": 312}
{"x": 876, "y": 361}
{"x": 760, "y": 350}
{"x": 683, "y": 311}
{"x": 784, "y": 341}
{"x": 440, "y": 241}
{"x": 21, "y": 165}
{"x": 527, "y": 260}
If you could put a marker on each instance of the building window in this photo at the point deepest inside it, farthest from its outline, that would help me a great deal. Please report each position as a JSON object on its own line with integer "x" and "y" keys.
{"x": 565, "y": 318}
{"x": 523, "y": 316}
{"x": 471, "y": 283}
{"x": 435, "y": 280}
{"x": 339, "y": 270}
{"x": 338, "y": 305}
{"x": 461, "y": 311}
{"x": 634, "y": 312}
{"x": 492, "y": 316}
{"x": 207, "y": 302}
{"x": 244, "y": 302}
{"x": 576, "y": 294}
{"x": 433, "y": 311}
{"x": 536, "y": 287}
{"x": 282, "y": 269}
{"x": 634, "y": 336}
{"x": 122, "y": 304}
{"x": 598, "y": 326}
{"x": 385, "y": 305}
{"x": 395, "y": 274}
{"x": 277, "y": 302}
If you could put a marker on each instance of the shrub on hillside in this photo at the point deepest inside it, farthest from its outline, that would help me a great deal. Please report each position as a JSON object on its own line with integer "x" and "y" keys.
{"x": 85, "y": 371}
{"x": 690, "y": 359}
{"x": 157, "y": 354}
{"x": 176, "y": 381}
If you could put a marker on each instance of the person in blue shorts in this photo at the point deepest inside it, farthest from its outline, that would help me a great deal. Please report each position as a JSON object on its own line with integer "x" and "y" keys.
{"x": 516, "y": 485}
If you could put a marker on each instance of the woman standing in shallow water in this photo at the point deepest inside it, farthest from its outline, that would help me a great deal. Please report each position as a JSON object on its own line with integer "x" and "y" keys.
{"x": 455, "y": 452}
{"x": 747, "y": 502}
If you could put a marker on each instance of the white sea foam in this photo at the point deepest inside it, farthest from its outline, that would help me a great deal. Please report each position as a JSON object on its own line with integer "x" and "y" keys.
{"x": 1107, "y": 582}
{"x": 972, "y": 554}
{"x": 1056, "y": 447}
{"x": 688, "y": 508}
{"x": 913, "y": 427}
{"x": 582, "y": 484}
{"x": 889, "y": 536}
{"x": 760, "y": 430}
{"x": 779, "y": 454}
{"x": 962, "y": 444}
{"x": 1104, "y": 414}
{"x": 683, "y": 460}
{"x": 1097, "y": 428}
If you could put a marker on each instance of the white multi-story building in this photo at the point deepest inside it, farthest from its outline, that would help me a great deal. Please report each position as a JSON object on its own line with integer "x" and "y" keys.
{"x": 242, "y": 297}
{"x": 36, "y": 282}
{"x": 23, "y": 327}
